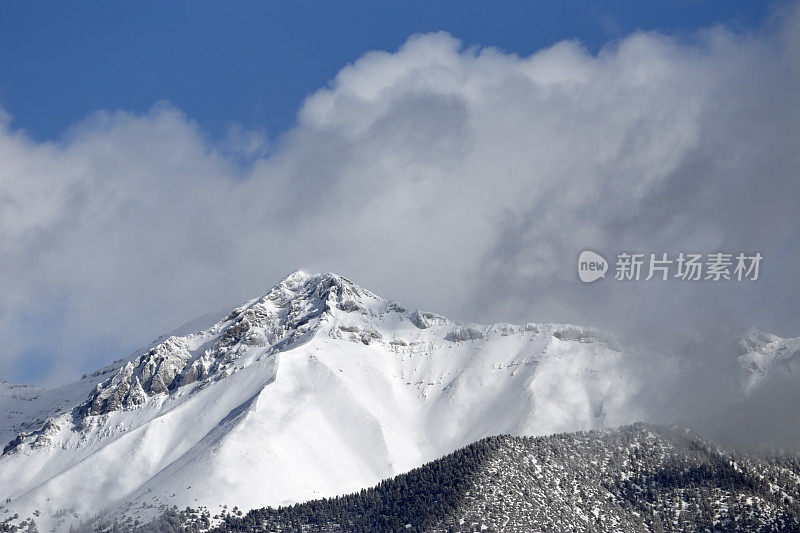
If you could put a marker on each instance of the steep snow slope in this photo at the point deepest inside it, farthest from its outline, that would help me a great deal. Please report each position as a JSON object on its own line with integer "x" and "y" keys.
{"x": 317, "y": 388}
{"x": 25, "y": 408}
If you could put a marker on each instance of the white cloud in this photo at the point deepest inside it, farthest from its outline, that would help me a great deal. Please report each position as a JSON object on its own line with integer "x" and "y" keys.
{"x": 462, "y": 180}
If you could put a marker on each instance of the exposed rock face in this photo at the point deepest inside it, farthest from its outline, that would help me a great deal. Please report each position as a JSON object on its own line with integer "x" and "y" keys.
{"x": 152, "y": 373}
{"x": 35, "y": 439}
{"x": 370, "y": 335}
{"x": 587, "y": 335}
{"x": 464, "y": 333}
{"x": 425, "y": 320}
{"x": 273, "y": 322}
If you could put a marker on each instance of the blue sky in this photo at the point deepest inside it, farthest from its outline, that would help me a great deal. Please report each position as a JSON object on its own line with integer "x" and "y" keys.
{"x": 255, "y": 62}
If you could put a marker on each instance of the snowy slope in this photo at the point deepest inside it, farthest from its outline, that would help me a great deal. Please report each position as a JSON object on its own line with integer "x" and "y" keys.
{"x": 764, "y": 355}
{"x": 317, "y": 388}
{"x": 25, "y": 408}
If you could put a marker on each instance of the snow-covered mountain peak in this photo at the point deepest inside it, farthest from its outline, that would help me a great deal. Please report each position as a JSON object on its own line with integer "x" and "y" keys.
{"x": 336, "y": 291}
{"x": 318, "y": 386}
{"x": 763, "y": 354}
{"x": 291, "y": 311}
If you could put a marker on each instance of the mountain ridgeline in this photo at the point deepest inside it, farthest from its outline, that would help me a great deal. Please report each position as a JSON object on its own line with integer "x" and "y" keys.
{"x": 320, "y": 388}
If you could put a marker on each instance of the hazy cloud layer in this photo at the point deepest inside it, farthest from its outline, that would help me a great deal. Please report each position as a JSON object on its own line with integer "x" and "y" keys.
{"x": 465, "y": 181}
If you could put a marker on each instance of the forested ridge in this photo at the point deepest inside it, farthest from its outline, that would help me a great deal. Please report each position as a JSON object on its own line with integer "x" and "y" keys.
{"x": 634, "y": 478}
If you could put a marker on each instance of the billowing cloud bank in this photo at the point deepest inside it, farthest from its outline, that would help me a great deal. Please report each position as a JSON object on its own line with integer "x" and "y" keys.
{"x": 464, "y": 181}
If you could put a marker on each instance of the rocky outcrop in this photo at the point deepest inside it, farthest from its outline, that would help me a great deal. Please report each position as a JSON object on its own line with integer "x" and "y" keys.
{"x": 35, "y": 439}
{"x": 587, "y": 335}
{"x": 282, "y": 317}
{"x": 154, "y": 372}
{"x": 424, "y": 320}
{"x": 464, "y": 333}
